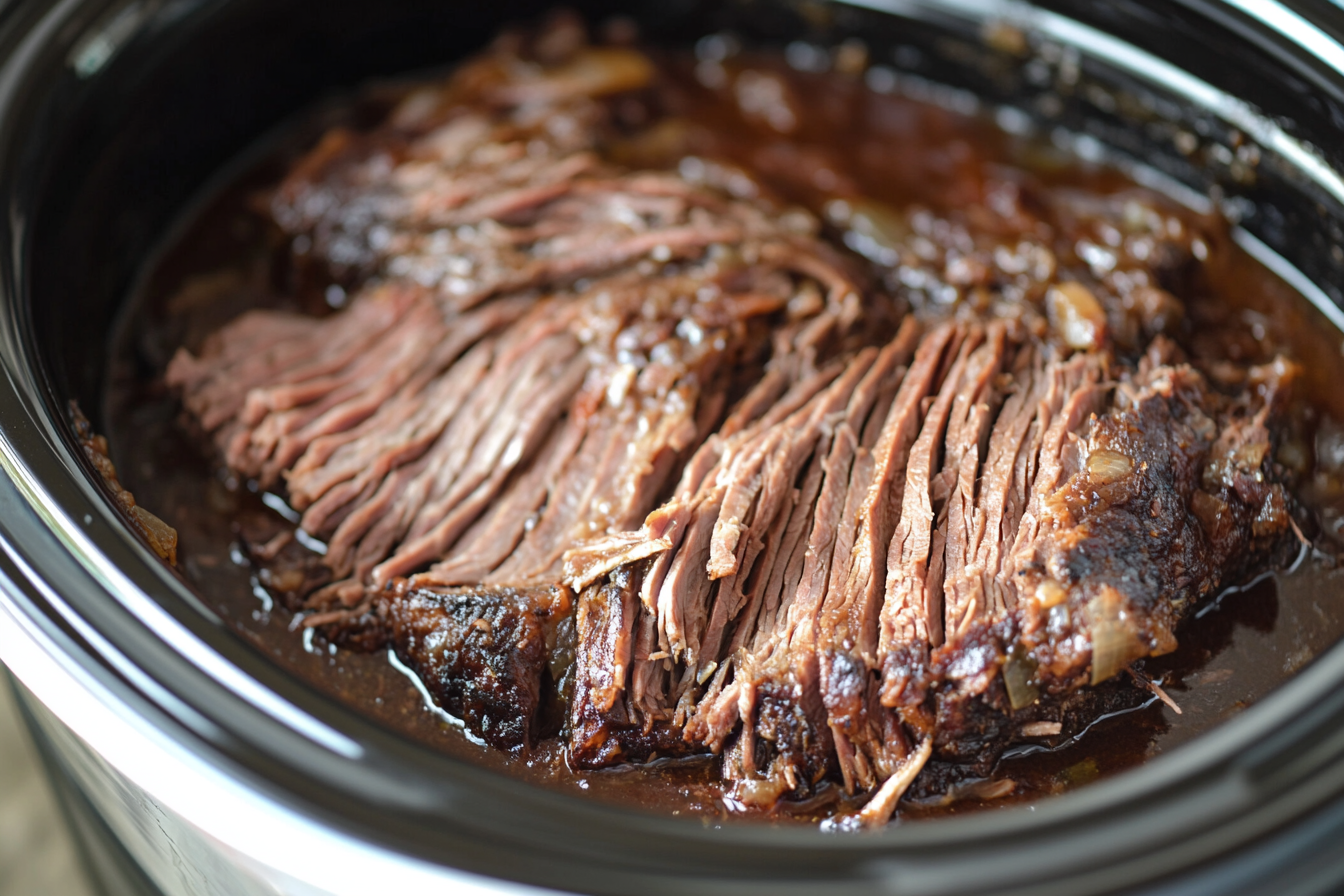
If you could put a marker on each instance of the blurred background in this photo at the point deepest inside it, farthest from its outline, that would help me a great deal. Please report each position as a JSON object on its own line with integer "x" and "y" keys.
{"x": 37, "y": 856}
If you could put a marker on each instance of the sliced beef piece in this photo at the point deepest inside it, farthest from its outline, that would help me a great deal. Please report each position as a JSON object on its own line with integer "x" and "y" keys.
{"x": 789, "y": 704}
{"x": 1167, "y": 495}
{"x": 604, "y": 729}
{"x": 686, "y": 627}
{"x": 523, "y": 421}
{"x": 502, "y": 135}
{"x": 1139, "y": 511}
{"x": 336, "y": 467}
{"x": 278, "y": 371}
{"x": 647, "y": 420}
{"x": 491, "y": 540}
{"x": 483, "y": 653}
{"x": 684, "y": 597}
{"x": 997, "y": 507}
{"x": 1132, "y": 492}
{"x": 1062, "y": 389}
{"x": 763, "y": 497}
{"x": 675, "y": 593}
{"x": 786, "y": 750}
{"x": 973, "y": 414}
{"x": 640, "y": 373}
{"x": 547, "y": 333}
{"x": 974, "y": 657}
{"x": 912, "y": 611}
{"x": 776, "y": 737}
{"x": 593, "y": 559}
{"x": 283, "y": 421}
{"x": 466, "y": 193}
{"x": 943, "y": 465}
{"x": 849, "y": 617}
{"x": 534, "y": 356}
{"x": 1081, "y": 392}
{"x": 785, "y": 746}
{"x": 653, "y": 690}
{"x": 657, "y": 398}
{"x": 850, "y": 613}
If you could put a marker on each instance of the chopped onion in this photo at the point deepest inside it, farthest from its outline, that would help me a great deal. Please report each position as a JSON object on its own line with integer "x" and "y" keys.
{"x": 1076, "y": 315}
{"x": 1115, "y": 644}
{"x": 760, "y": 793}
{"x": 1210, "y": 510}
{"x": 1250, "y": 456}
{"x": 162, "y": 537}
{"x": 985, "y": 789}
{"x": 1019, "y": 678}
{"x": 593, "y": 71}
{"x": 1040, "y": 729}
{"x": 1105, "y": 465}
{"x": 876, "y": 229}
{"x": 1050, "y": 593}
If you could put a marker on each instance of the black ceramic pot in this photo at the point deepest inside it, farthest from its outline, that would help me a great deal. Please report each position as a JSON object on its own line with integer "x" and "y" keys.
{"x": 192, "y": 764}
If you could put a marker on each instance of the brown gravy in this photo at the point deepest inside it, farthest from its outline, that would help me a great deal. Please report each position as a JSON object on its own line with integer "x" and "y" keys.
{"x": 848, "y": 140}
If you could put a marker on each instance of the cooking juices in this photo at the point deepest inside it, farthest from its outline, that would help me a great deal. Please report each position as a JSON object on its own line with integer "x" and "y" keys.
{"x": 709, "y": 434}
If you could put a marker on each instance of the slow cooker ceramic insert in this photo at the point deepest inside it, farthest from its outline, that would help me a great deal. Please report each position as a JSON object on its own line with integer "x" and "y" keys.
{"x": 189, "y": 763}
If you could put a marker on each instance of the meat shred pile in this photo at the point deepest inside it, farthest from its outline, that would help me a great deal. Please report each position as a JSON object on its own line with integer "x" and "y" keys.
{"x": 648, "y": 445}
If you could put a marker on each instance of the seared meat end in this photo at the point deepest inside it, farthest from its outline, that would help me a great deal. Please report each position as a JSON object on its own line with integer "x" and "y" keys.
{"x": 482, "y": 652}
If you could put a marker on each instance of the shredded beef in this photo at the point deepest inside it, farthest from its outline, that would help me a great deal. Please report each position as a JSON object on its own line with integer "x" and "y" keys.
{"x": 835, "y": 534}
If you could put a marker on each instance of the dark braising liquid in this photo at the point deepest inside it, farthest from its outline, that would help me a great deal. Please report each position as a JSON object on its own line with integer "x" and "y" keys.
{"x": 846, "y": 140}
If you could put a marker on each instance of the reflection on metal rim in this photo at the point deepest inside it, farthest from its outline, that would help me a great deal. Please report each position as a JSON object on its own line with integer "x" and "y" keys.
{"x": 1089, "y": 41}
{"x": 1297, "y": 29}
{"x": 277, "y": 843}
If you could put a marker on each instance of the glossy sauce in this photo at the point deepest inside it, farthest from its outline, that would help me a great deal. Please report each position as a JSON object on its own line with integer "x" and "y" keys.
{"x": 845, "y": 140}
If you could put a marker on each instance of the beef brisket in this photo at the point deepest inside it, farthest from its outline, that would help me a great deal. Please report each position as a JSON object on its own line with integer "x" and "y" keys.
{"x": 641, "y": 449}
{"x": 483, "y": 429}
{"x": 1135, "y": 488}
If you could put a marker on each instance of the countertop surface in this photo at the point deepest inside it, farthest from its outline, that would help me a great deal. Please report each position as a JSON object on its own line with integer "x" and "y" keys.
{"x": 37, "y": 856}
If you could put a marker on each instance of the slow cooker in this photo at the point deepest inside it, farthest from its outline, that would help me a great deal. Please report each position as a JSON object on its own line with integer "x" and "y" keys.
{"x": 189, "y": 763}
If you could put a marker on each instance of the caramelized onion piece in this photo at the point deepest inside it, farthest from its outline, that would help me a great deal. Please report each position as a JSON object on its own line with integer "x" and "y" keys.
{"x": 162, "y": 538}
{"x": 1040, "y": 729}
{"x": 1211, "y": 511}
{"x": 874, "y": 229}
{"x": 1105, "y": 465}
{"x": 985, "y": 789}
{"x": 989, "y": 790}
{"x": 1019, "y": 678}
{"x": 594, "y": 71}
{"x": 760, "y": 793}
{"x": 1114, "y": 642}
{"x": 1076, "y": 316}
{"x": 1050, "y": 594}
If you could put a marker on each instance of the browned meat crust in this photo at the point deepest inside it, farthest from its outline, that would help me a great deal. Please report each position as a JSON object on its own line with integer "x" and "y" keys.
{"x": 482, "y": 653}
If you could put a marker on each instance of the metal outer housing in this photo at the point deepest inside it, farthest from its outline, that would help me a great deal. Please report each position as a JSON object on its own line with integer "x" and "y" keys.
{"x": 218, "y": 773}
